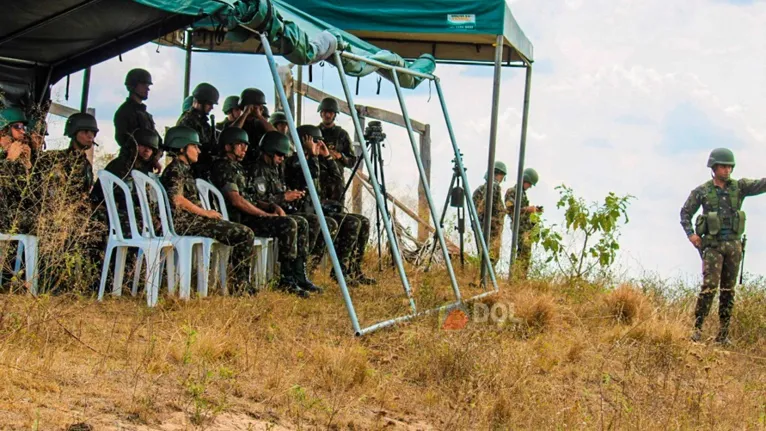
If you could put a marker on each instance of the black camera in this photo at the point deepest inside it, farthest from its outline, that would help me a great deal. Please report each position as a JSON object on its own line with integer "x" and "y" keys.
{"x": 374, "y": 132}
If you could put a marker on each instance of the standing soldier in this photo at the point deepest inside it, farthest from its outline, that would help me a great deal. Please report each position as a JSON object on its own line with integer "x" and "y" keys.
{"x": 132, "y": 114}
{"x": 233, "y": 112}
{"x": 498, "y": 212}
{"x": 205, "y": 96}
{"x": 189, "y": 217}
{"x": 524, "y": 247}
{"x": 279, "y": 121}
{"x": 339, "y": 144}
{"x": 253, "y": 120}
{"x": 717, "y": 234}
{"x": 267, "y": 185}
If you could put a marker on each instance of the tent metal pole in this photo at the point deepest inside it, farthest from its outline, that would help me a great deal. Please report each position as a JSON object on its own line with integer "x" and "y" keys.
{"x": 376, "y": 187}
{"x": 85, "y": 90}
{"x": 426, "y": 186}
{"x": 472, "y": 214}
{"x": 520, "y": 173}
{"x": 187, "y": 64}
{"x": 381, "y": 65}
{"x": 312, "y": 190}
{"x": 488, "y": 192}
{"x": 299, "y": 102}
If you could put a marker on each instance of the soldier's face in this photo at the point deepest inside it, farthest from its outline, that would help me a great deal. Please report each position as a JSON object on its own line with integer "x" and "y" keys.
{"x": 278, "y": 158}
{"x": 145, "y": 153}
{"x": 239, "y": 150}
{"x": 85, "y": 138}
{"x": 234, "y": 114}
{"x": 18, "y": 131}
{"x": 207, "y": 107}
{"x": 142, "y": 90}
{"x": 526, "y": 185}
{"x": 282, "y": 128}
{"x": 328, "y": 117}
{"x": 722, "y": 172}
{"x": 192, "y": 153}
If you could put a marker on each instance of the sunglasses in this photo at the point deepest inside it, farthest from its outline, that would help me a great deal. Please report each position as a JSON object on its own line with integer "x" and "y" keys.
{"x": 19, "y": 126}
{"x": 280, "y": 154}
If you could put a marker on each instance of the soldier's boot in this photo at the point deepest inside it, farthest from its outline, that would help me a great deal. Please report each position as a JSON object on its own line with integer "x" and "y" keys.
{"x": 358, "y": 275}
{"x": 350, "y": 280}
{"x": 723, "y": 334}
{"x": 302, "y": 279}
{"x": 287, "y": 282}
{"x": 696, "y": 335}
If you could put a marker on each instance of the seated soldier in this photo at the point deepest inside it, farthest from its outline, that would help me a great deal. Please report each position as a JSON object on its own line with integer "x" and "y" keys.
{"x": 16, "y": 205}
{"x": 197, "y": 118}
{"x": 189, "y": 218}
{"x": 264, "y": 218}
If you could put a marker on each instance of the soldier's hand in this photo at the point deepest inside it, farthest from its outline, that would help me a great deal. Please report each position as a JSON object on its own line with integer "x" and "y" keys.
{"x": 16, "y": 149}
{"x": 5, "y": 141}
{"x": 292, "y": 195}
{"x": 280, "y": 212}
{"x": 322, "y": 149}
{"x": 696, "y": 240}
{"x": 335, "y": 155}
{"x": 531, "y": 210}
{"x": 214, "y": 215}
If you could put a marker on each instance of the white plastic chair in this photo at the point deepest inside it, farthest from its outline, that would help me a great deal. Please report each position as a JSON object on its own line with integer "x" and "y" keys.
{"x": 28, "y": 249}
{"x": 260, "y": 271}
{"x": 185, "y": 246}
{"x": 150, "y": 248}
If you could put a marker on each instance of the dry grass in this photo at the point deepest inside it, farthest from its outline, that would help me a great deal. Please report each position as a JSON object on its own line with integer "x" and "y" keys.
{"x": 567, "y": 360}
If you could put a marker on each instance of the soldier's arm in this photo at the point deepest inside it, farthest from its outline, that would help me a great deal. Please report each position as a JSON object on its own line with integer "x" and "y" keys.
{"x": 751, "y": 187}
{"x": 242, "y": 204}
{"x": 510, "y": 201}
{"x": 348, "y": 157}
{"x": 688, "y": 210}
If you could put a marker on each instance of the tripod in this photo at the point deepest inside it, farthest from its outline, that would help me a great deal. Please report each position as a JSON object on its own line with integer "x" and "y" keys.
{"x": 456, "y": 199}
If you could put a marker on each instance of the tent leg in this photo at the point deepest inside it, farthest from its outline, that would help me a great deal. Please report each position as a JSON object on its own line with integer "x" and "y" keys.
{"x": 85, "y": 90}
{"x": 187, "y": 64}
{"x": 488, "y": 200}
{"x": 312, "y": 190}
{"x": 519, "y": 174}
{"x": 426, "y": 186}
{"x": 299, "y": 103}
{"x": 471, "y": 208}
{"x": 376, "y": 187}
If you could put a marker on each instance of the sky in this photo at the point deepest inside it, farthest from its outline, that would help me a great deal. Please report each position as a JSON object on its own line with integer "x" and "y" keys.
{"x": 627, "y": 96}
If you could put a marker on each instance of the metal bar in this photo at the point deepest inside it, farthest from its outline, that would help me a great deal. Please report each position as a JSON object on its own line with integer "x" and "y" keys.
{"x": 187, "y": 64}
{"x": 45, "y": 21}
{"x": 299, "y": 103}
{"x": 385, "y": 66}
{"x": 426, "y": 187}
{"x": 378, "y": 196}
{"x": 520, "y": 173}
{"x": 488, "y": 192}
{"x": 471, "y": 208}
{"x": 401, "y": 319}
{"x": 312, "y": 190}
{"x": 85, "y": 90}
{"x": 21, "y": 61}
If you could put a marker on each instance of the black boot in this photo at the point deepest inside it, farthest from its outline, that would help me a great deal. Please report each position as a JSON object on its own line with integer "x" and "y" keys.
{"x": 723, "y": 335}
{"x": 302, "y": 279}
{"x": 358, "y": 275}
{"x": 287, "y": 282}
{"x": 350, "y": 280}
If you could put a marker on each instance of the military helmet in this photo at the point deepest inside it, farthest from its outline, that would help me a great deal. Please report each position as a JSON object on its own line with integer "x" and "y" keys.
{"x": 178, "y": 137}
{"x": 311, "y": 130}
{"x": 252, "y": 96}
{"x": 530, "y": 176}
{"x": 147, "y": 138}
{"x": 233, "y": 135}
{"x": 500, "y": 167}
{"x": 328, "y": 104}
{"x": 721, "y": 156}
{"x": 137, "y": 76}
{"x": 187, "y": 103}
{"x": 10, "y": 116}
{"x": 277, "y": 117}
{"x": 80, "y": 121}
{"x": 206, "y": 93}
{"x": 230, "y": 103}
{"x": 274, "y": 142}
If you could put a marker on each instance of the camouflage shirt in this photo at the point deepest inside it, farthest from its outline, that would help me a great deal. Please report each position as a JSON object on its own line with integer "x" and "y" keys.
{"x": 297, "y": 181}
{"x": 178, "y": 180}
{"x": 265, "y": 183}
{"x": 200, "y": 122}
{"x": 479, "y": 199}
{"x": 255, "y": 131}
{"x": 698, "y": 197}
{"x": 229, "y": 176}
{"x": 333, "y": 180}
{"x": 67, "y": 171}
{"x": 525, "y": 221}
{"x": 129, "y": 117}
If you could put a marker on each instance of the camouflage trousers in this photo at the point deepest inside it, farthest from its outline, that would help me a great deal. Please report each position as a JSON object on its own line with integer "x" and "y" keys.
{"x": 352, "y": 237}
{"x": 495, "y": 240}
{"x": 720, "y": 265}
{"x": 523, "y": 255}
{"x": 238, "y": 236}
{"x": 291, "y": 231}
{"x": 315, "y": 231}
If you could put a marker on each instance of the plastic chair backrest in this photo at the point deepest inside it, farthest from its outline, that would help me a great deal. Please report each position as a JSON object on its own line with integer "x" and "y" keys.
{"x": 205, "y": 189}
{"x": 108, "y": 182}
{"x": 142, "y": 183}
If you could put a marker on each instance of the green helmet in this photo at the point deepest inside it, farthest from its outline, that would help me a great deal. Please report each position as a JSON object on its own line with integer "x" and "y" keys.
{"x": 233, "y": 135}
{"x": 230, "y": 103}
{"x": 278, "y": 117}
{"x": 10, "y": 116}
{"x": 178, "y": 137}
{"x": 720, "y": 156}
{"x": 137, "y": 76}
{"x": 252, "y": 96}
{"x": 311, "y": 130}
{"x": 274, "y": 142}
{"x": 80, "y": 121}
{"x": 500, "y": 167}
{"x": 147, "y": 138}
{"x": 530, "y": 176}
{"x": 206, "y": 93}
{"x": 328, "y": 104}
{"x": 187, "y": 103}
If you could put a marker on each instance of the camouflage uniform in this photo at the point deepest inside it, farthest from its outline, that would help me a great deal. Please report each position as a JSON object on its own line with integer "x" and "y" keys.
{"x": 333, "y": 180}
{"x": 498, "y": 214}
{"x": 131, "y": 115}
{"x": 178, "y": 179}
{"x": 255, "y": 131}
{"x": 721, "y": 253}
{"x": 200, "y": 122}
{"x": 524, "y": 248}
{"x": 17, "y": 199}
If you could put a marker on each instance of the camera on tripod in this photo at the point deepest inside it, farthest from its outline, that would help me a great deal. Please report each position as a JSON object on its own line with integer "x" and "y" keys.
{"x": 373, "y": 134}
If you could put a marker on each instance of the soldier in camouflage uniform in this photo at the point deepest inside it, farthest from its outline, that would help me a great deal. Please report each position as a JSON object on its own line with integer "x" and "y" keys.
{"x": 266, "y": 183}
{"x": 279, "y": 120}
{"x": 498, "y": 212}
{"x": 253, "y": 120}
{"x": 717, "y": 234}
{"x": 338, "y": 143}
{"x": 524, "y": 248}
{"x": 190, "y": 218}
{"x": 132, "y": 114}
{"x": 264, "y": 218}
{"x": 233, "y": 112}
{"x": 197, "y": 118}
{"x": 15, "y": 165}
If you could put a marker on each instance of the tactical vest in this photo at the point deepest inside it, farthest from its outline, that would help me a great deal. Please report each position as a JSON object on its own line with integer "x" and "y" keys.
{"x": 712, "y": 223}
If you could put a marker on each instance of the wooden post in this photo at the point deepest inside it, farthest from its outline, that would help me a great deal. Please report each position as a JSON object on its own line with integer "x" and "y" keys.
{"x": 425, "y": 155}
{"x": 356, "y": 184}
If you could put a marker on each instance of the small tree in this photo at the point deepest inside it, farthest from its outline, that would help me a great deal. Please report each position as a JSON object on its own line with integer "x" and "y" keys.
{"x": 589, "y": 239}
